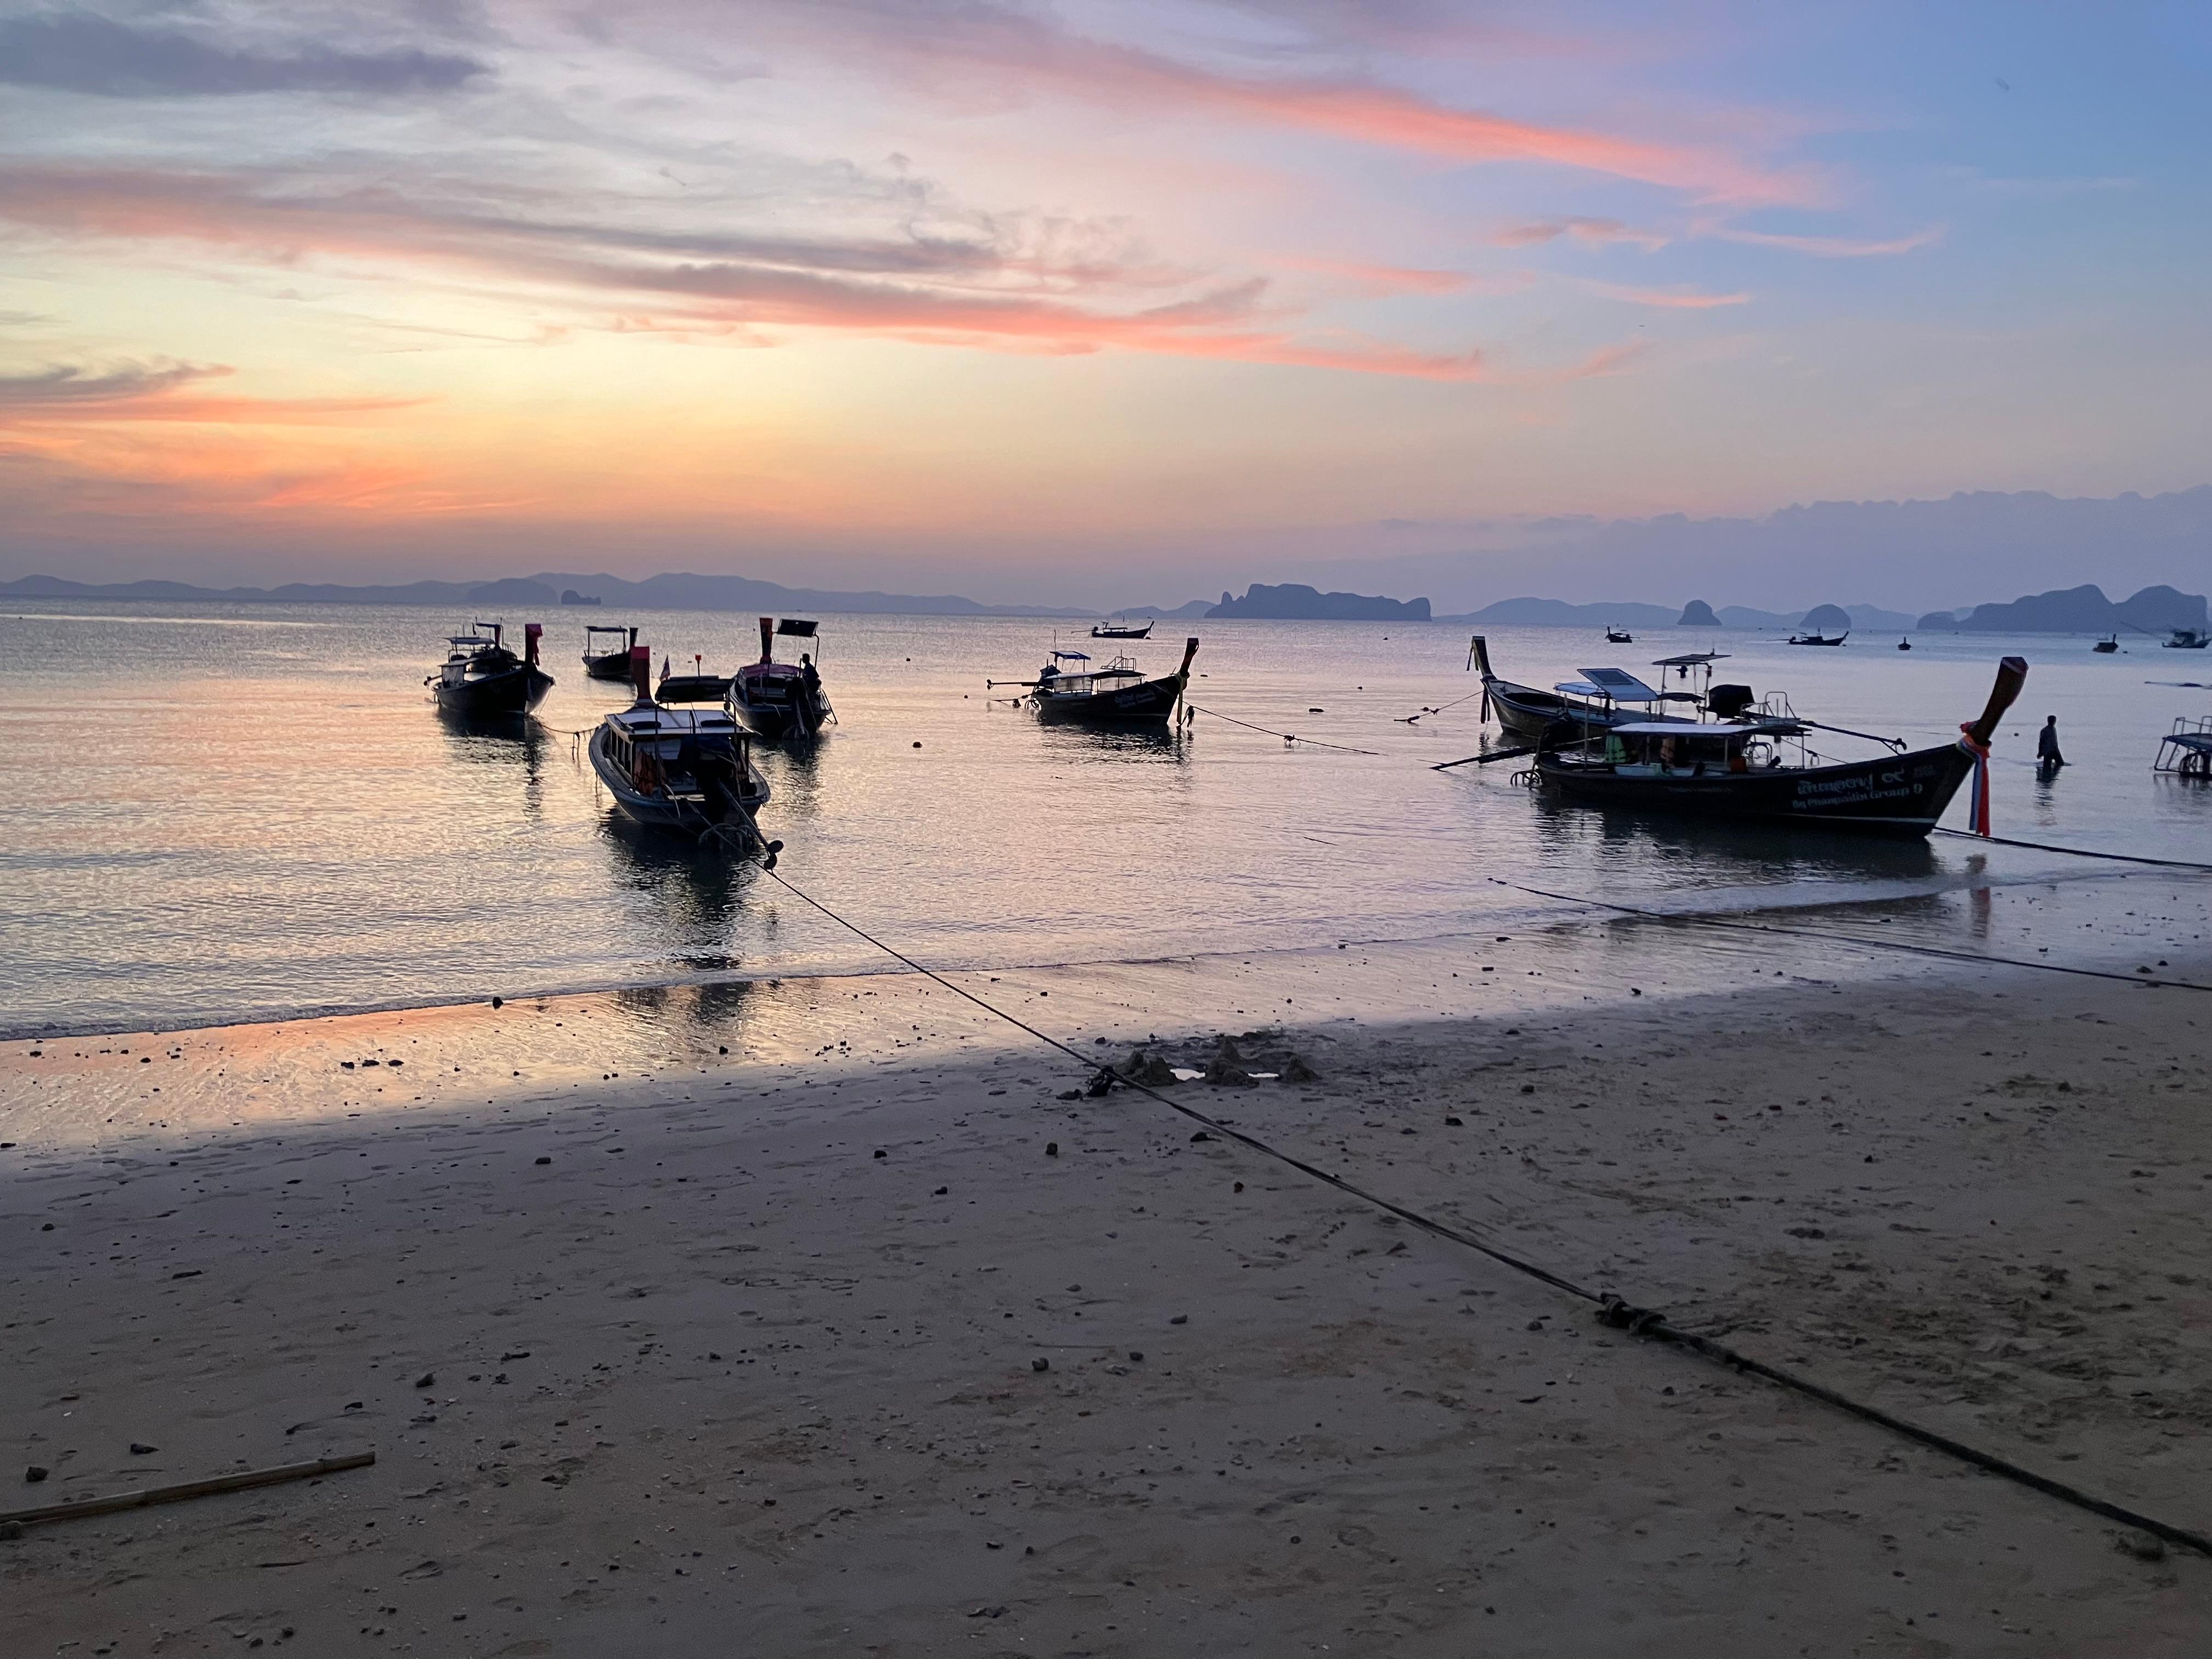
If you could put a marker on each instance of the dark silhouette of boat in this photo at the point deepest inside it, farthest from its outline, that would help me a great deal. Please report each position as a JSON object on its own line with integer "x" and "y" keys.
{"x": 1818, "y": 638}
{"x": 2106, "y": 646}
{"x": 1116, "y": 696}
{"x": 1603, "y": 697}
{"x": 613, "y": 663}
{"x": 1618, "y": 636}
{"x": 1118, "y": 630}
{"x": 1905, "y": 645}
{"x": 686, "y": 769}
{"x": 1737, "y": 769}
{"x": 482, "y": 679}
{"x": 2188, "y": 639}
{"x": 775, "y": 699}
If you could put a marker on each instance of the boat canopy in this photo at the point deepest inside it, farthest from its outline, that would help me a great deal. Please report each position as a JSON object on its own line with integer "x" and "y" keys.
{"x": 793, "y": 625}
{"x": 1689, "y": 660}
{"x": 1577, "y": 689}
{"x": 1619, "y": 684}
{"x": 649, "y": 719}
{"x": 1072, "y": 656}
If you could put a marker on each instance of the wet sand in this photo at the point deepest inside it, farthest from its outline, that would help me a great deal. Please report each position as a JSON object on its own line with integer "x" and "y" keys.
{"x": 749, "y": 1361}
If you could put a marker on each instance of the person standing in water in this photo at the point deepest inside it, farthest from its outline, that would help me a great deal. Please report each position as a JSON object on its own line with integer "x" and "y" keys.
{"x": 2047, "y": 758}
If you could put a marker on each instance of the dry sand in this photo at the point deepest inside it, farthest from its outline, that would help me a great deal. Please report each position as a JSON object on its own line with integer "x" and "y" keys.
{"x": 752, "y": 1365}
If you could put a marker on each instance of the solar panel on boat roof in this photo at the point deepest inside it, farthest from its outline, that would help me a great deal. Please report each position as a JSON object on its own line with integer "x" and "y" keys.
{"x": 1619, "y": 684}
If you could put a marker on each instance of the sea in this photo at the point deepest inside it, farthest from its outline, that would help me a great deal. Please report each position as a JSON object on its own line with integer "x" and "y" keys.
{"x": 222, "y": 813}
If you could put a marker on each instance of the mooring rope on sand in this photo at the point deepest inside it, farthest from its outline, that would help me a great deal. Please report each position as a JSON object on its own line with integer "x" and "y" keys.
{"x": 1980, "y": 958}
{"x": 2074, "y": 852}
{"x": 1612, "y": 1311}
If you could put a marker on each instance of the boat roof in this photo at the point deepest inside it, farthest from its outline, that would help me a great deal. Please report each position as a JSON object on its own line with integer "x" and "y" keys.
{"x": 1619, "y": 684}
{"x": 1709, "y": 729}
{"x": 1072, "y": 656}
{"x": 796, "y": 625}
{"x": 1688, "y": 660}
{"x": 643, "y": 718}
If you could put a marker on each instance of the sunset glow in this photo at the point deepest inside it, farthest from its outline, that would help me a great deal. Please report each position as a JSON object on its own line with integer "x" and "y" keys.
{"x": 923, "y": 295}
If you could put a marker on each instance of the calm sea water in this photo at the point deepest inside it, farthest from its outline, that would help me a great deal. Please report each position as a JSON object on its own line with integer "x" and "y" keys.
{"x": 226, "y": 812}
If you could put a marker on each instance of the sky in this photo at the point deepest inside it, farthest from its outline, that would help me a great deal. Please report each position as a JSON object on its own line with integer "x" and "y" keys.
{"x": 1085, "y": 302}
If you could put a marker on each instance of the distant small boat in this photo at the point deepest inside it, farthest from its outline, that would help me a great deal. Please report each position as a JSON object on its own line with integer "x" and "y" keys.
{"x": 1117, "y": 695}
{"x": 613, "y": 663}
{"x": 1905, "y": 645}
{"x": 1819, "y": 638}
{"x": 775, "y": 699}
{"x": 1119, "y": 629}
{"x": 2106, "y": 646}
{"x": 2188, "y": 638}
{"x": 1618, "y": 636}
{"x": 482, "y": 679}
{"x": 688, "y": 769}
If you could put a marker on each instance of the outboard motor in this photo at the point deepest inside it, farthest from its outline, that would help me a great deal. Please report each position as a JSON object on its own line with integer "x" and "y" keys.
{"x": 1730, "y": 701}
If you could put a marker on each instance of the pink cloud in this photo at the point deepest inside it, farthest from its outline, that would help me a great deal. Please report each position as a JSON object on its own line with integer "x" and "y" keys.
{"x": 1595, "y": 231}
{"x": 1830, "y": 247}
{"x": 1667, "y": 298}
{"x": 990, "y": 54}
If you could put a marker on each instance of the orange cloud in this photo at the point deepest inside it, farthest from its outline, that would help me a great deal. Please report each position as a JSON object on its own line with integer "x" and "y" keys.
{"x": 65, "y": 395}
{"x": 928, "y": 294}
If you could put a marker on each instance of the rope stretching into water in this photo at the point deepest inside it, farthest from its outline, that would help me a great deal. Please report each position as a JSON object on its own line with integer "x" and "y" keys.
{"x": 1287, "y": 736}
{"x": 1612, "y": 1311}
{"x": 1975, "y": 956}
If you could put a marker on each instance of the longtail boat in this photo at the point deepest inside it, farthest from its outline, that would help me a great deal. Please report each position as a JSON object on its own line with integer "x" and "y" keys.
{"x": 611, "y": 663}
{"x": 781, "y": 699}
{"x": 1756, "y": 769}
{"x": 689, "y": 770}
{"x": 1117, "y": 695}
{"x": 1603, "y": 697}
{"x": 482, "y": 679}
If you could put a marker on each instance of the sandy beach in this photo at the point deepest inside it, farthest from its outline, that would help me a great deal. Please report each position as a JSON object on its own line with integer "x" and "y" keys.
{"x": 852, "y": 1336}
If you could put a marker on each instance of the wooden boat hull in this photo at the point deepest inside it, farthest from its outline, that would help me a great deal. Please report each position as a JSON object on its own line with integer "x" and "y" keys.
{"x": 1147, "y": 702}
{"x": 515, "y": 691}
{"x": 608, "y": 665}
{"x": 1896, "y": 795}
{"x": 1143, "y": 633}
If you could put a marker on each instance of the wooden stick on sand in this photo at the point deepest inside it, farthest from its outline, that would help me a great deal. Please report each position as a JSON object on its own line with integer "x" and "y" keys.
{"x": 239, "y": 1482}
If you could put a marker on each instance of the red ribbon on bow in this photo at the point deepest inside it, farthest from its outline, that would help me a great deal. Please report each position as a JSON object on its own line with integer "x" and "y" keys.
{"x": 1978, "y": 803}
